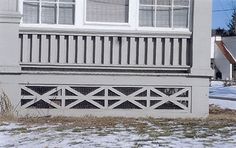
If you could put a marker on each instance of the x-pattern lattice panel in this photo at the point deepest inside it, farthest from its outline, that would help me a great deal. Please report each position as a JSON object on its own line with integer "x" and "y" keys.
{"x": 106, "y": 97}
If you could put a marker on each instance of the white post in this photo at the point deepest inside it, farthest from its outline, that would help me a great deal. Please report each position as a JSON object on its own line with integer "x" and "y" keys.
{"x": 201, "y": 40}
{"x": 9, "y": 32}
{"x": 201, "y": 48}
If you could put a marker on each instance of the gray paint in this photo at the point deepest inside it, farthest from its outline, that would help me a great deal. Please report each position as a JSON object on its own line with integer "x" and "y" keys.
{"x": 201, "y": 37}
{"x": 9, "y": 30}
{"x": 11, "y": 60}
{"x": 9, "y": 5}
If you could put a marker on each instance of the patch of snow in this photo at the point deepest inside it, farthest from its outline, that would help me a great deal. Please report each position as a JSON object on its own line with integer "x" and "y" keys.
{"x": 225, "y": 104}
{"x": 9, "y": 126}
{"x": 43, "y": 136}
{"x": 224, "y": 97}
{"x": 217, "y": 83}
{"x": 226, "y": 92}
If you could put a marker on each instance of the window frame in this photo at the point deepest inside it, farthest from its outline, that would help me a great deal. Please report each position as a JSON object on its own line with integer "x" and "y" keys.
{"x": 172, "y": 7}
{"x": 105, "y": 23}
{"x": 40, "y": 2}
{"x": 132, "y": 25}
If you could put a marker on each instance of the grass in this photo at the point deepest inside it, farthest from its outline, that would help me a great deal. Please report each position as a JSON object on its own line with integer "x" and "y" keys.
{"x": 220, "y": 124}
{"x": 217, "y": 115}
{"x": 192, "y": 128}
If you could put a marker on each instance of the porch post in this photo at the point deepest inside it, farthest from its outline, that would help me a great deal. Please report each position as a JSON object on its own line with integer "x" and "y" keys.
{"x": 201, "y": 48}
{"x": 201, "y": 39}
{"x": 9, "y": 32}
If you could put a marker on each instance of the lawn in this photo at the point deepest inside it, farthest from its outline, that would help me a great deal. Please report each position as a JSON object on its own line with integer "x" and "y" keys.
{"x": 218, "y": 130}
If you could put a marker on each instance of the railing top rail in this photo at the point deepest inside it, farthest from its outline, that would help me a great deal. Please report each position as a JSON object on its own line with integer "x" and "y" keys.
{"x": 94, "y": 32}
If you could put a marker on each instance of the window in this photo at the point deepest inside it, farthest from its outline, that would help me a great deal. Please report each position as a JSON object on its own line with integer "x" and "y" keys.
{"x": 164, "y": 13}
{"x": 49, "y": 11}
{"x": 116, "y": 11}
{"x": 151, "y": 13}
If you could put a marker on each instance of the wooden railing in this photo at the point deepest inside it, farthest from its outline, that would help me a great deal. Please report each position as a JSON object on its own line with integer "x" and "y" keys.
{"x": 104, "y": 50}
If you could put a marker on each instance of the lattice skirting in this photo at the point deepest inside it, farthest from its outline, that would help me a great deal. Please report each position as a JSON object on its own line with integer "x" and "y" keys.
{"x": 100, "y": 97}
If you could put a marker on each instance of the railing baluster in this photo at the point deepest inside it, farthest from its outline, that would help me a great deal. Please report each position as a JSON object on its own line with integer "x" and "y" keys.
{"x": 150, "y": 51}
{"x": 89, "y": 50}
{"x": 184, "y": 52}
{"x": 115, "y": 51}
{"x": 54, "y": 48}
{"x": 98, "y": 50}
{"x": 35, "y": 49}
{"x": 141, "y": 54}
{"x": 62, "y": 49}
{"x": 107, "y": 51}
{"x": 80, "y": 50}
{"x": 26, "y": 49}
{"x": 133, "y": 54}
{"x": 176, "y": 51}
{"x": 44, "y": 49}
{"x": 167, "y": 52}
{"x": 159, "y": 54}
{"x": 124, "y": 51}
{"x": 71, "y": 50}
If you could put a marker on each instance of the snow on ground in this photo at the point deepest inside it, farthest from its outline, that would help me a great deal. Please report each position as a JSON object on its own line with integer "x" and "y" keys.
{"x": 224, "y": 97}
{"x": 21, "y": 136}
{"x": 224, "y": 104}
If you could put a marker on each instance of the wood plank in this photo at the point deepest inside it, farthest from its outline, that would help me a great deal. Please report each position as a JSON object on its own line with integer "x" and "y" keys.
{"x": 124, "y": 51}
{"x": 89, "y": 50}
{"x": 159, "y": 52}
{"x": 98, "y": 50}
{"x": 133, "y": 51}
{"x": 115, "y": 50}
{"x": 44, "y": 49}
{"x": 80, "y": 50}
{"x": 54, "y": 49}
{"x": 184, "y": 52}
{"x": 107, "y": 51}
{"x": 167, "y": 52}
{"x": 176, "y": 52}
{"x": 62, "y": 49}
{"x": 71, "y": 50}
{"x": 26, "y": 49}
{"x": 141, "y": 55}
{"x": 150, "y": 52}
{"x": 35, "y": 49}
{"x": 20, "y": 46}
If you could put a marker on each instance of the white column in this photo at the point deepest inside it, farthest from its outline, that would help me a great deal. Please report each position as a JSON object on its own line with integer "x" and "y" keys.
{"x": 9, "y": 32}
{"x": 201, "y": 44}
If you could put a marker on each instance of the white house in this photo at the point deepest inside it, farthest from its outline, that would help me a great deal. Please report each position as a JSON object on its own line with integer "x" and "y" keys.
{"x": 131, "y": 58}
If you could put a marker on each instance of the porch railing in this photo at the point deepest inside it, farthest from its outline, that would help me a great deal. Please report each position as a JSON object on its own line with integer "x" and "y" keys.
{"x": 104, "y": 49}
